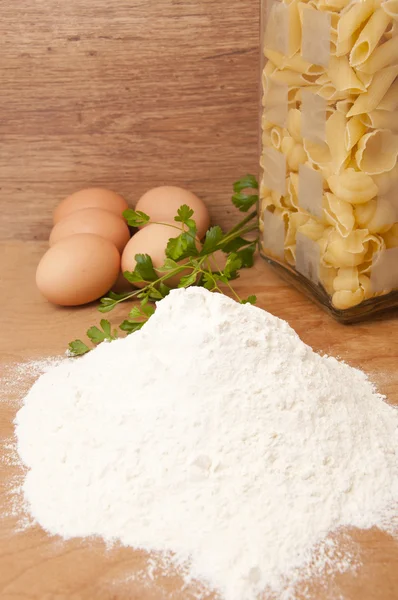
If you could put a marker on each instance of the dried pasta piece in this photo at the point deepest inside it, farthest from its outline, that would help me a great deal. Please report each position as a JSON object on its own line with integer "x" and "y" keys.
{"x": 354, "y": 130}
{"x": 391, "y": 237}
{"x": 369, "y": 37}
{"x": 390, "y": 7}
{"x": 347, "y": 279}
{"x": 353, "y": 186}
{"x": 276, "y": 137}
{"x": 292, "y": 78}
{"x": 345, "y": 105}
{"x": 294, "y": 152}
{"x": 380, "y": 119}
{"x": 352, "y": 20}
{"x": 387, "y": 183}
{"x": 343, "y": 77}
{"x": 391, "y": 31}
{"x": 326, "y": 277}
{"x": 337, "y": 5}
{"x": 377, "y": 152}
{"x": 339, "y": 214}
{"x": 269, "y": 68}
{"x": 312, "y": 229}
{"x": 294, "y": 124}
{"x": 294, "y": 63}
{"x": 365, "y": 78}
{"x": 365, "y": 284}
{"x": 384, "y": 56}
{"x": 291, "y": 195}
{"x": 347, "y": 251}
{"x": 378, "y": 217}
{"x": 364, "y": 213}
{"x": 346, "y": 299}
{"x": 390, "y": 100}
{"x": 335, "y": 139}
{"x": 378, "y": 88}
{"x": 294, "y": 221}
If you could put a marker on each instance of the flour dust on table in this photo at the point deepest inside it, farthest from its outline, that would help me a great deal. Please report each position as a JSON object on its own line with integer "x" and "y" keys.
{"x": 214, "y": 436}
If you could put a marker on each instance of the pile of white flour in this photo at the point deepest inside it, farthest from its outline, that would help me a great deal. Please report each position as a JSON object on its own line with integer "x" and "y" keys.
{"x": 213, "y": 433}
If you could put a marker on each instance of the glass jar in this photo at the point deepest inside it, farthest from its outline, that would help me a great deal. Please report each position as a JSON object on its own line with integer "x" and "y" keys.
{"x": 328, "y": 189}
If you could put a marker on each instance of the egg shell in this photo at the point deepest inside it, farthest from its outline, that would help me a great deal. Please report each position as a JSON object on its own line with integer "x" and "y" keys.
{"x": 93, "y": 220}
{"x": 151, "y": 240}
{"x": 91, "y": 198}
{"x": 162, "y": 204}
{"x": 78, "y": 269}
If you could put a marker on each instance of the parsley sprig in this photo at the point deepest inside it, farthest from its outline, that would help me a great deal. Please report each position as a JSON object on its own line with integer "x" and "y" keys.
{"x": 185, "y": 258}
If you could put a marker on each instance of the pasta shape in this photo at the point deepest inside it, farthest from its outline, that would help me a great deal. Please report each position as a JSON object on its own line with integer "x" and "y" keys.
{"x": 295, "y": 220}
{"x": 354, "y": 130}
{"x": 294, "y": 63}
{"x": 377, "y": 152}
{"x": 379, "y": 119}
{"x": 377, "y": 216}
{"x": 353, "y": 186}
{"x": 347, "y": 299}
{"x": 294, "y": 124}
{"x": 384, "y": 56}
{"x": 348, "y": 251}
{"x": 391, "y": 237}
{"x": 293, "y": 78}
{"x": 294, "y": 152}
{"x": 390, "y": 100}
{"x": 390, "y": 7}
{"x": 312, "y": 229}
{"x": 345, "y": 105}
{"x": 347, "y": 279}
{"x": 335, "y": 138}
{"x": 343, "y": 76}
{"x": 378, "y": 88}
{"x": 339, "y": 214}
{"x": 369, "y": 37}
{"x": 352, "y": 20}
{"x": 391, "y": 30}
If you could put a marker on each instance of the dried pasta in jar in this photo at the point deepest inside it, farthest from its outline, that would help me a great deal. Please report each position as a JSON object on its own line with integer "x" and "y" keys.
{"x": 328, "y": 206}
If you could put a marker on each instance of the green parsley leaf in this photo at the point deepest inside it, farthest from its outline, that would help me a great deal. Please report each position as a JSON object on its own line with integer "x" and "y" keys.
{"x": 136, "y": 218}
{"x": 232, "y": 266}
{"x": 188, "y": 280}
{"x": 249, "y": 300}
{"x": 169, "y": 265}
{"x": 246, "y": 182}
{"x": 214, "y": 236}
{"x": 106, "y": 327}
{"x": 182, "y": 246}
{"x": 96, "y": 335}
{"x": 246, "y": 255}
{"x": 78, "y": 348}
{"x": 244, "y": 201}
{"x": 144, "y": 267}
{"x": 236, "y": 244}
{"x": 130, "y": 327}
{"x": 184, "y": 215}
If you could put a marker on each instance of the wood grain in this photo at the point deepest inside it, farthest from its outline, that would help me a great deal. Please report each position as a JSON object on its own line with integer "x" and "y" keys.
{"x": 127, "y": 95}
{"x": 34, "y": 566}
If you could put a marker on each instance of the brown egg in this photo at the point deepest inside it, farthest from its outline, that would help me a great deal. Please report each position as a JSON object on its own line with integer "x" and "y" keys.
{"x": 151, "y": 240}
{"x": 162, "y": 203}
{"x": 93, "y": 220}
{"x": 77, "y": 270}
{"x": 91, "y": 198}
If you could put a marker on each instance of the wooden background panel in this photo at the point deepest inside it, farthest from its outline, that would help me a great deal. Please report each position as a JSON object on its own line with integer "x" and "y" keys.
{"x": 128, "y": 95}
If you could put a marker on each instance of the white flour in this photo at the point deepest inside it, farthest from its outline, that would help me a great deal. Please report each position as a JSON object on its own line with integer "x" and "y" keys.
{"x": 216, "y": 434}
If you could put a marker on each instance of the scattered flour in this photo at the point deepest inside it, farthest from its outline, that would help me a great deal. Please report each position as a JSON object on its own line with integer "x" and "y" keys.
{"x": 215, "y": 434}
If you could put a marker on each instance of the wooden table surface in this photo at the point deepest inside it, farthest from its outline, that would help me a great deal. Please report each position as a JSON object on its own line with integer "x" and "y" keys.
{"x": 126, "y": 94}
{"x": 34, "y": 566}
